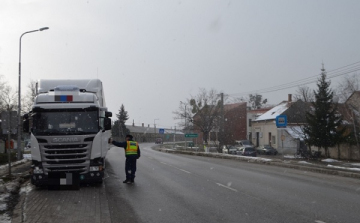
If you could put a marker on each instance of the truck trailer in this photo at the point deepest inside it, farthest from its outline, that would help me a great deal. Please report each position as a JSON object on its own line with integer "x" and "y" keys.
{"x": 69, "y": 128}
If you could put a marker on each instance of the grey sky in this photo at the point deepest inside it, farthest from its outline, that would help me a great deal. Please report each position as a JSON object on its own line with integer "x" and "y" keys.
{"x": 152, "y": 54}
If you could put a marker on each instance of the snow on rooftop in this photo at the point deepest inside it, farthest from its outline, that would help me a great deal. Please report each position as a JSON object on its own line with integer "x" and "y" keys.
{"x": 275, "y": 111}
{"x": 295, "y": 132}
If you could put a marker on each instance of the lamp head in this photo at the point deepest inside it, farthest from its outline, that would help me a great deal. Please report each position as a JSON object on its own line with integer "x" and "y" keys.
{"x": 43, "y": 28}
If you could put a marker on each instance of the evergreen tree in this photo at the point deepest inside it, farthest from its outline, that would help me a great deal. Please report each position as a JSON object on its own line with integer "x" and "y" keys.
{"x": 323, "y": 122}
{"x": 119, "y": 129}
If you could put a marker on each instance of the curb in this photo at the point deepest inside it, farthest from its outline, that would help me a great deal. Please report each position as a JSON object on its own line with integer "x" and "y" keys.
{"x": 276, "y": 162}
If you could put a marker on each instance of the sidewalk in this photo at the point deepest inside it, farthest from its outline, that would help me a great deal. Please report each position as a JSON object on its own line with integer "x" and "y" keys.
{"x": 23, "y": 202}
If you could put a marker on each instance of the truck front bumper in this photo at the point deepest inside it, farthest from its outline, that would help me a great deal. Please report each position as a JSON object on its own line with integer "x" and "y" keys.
{"x": 63, "y": 178}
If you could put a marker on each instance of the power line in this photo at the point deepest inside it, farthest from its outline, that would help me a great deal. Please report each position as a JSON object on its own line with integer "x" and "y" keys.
{"x": 308, "y": 80}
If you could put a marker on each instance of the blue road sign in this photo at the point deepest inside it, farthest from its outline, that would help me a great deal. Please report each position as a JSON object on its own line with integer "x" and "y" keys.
{"x": 281, "y": 121}
{"x": 161, "y": 131}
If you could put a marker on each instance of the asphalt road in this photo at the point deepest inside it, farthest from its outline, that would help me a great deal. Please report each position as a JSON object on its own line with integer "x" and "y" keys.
{"x": 183, "y": 188}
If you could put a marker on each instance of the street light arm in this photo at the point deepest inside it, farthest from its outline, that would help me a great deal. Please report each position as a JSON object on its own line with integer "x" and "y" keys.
{"x": 19, "y": 155}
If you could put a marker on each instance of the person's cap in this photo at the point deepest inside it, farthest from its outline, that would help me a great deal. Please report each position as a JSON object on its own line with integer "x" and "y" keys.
{"x": 130, "y": 136}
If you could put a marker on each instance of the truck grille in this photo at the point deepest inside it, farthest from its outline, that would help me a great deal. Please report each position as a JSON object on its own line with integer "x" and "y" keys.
{"x": 66, "y": 157}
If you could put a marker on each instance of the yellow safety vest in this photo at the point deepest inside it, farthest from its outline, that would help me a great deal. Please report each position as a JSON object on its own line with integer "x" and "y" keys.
{"x": 131, "y": 148}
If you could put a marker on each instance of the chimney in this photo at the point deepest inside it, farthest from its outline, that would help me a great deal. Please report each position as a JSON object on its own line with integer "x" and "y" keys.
{"x": 289, "y": 98}
{"x": 142, "y": 124}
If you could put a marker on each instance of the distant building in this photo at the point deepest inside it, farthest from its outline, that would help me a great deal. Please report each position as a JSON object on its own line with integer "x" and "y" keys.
{"x": 149, "y": 134}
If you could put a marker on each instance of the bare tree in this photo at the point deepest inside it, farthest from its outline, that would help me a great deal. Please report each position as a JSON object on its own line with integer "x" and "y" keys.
{"x": 28, "y": 100}
{"x": 348, "y": 85}
{"x": 8, "y": 99}
{"x": 3, "y": 91}
{"x": 202, "y": 112}
{"x": 305, "y": 94}
{"x": 206, "y": 108}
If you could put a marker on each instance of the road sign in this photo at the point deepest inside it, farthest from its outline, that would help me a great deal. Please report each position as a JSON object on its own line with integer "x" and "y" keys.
{"x": 191, "y": 135}
{"x": 6, "y": 125}
{"x": 281, "y": 121}
{"x": 161, "y": 131}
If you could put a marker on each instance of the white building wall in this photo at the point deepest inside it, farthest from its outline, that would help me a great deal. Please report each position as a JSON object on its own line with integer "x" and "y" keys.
{"x": 263, "y": 129}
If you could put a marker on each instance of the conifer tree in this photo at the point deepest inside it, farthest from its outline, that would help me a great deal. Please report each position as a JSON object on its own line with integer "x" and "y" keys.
{"x": 323, "y": 122}
{"x": 119, "y": 129}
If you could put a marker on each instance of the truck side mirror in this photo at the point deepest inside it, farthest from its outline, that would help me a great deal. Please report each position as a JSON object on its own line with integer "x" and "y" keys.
{"x": 107, "y": 123}
{"x": 26, "y": 124}
{"x": 108, "y": 114}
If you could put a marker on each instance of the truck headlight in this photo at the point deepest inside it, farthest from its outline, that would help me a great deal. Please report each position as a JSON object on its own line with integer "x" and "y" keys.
{"x": 37, "y": 170}
{"x": 94, "y": 168}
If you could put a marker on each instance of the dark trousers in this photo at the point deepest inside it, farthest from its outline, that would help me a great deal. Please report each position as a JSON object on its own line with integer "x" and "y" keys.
{"x": 130, "y": 167}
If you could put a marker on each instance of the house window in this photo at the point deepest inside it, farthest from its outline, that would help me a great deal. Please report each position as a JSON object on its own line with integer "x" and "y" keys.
{"x": 250, "y": 122}
{"x": 273, "y": 139}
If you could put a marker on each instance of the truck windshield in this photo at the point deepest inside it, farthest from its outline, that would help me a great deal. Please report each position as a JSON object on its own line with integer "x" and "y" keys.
{"x": 65, "y": 122}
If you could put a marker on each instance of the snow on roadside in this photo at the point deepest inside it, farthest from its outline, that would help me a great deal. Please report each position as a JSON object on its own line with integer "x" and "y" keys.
{"x": 304, "y": 162}
{"x": 343, "y": 168}
{"x": 26, "y": 158}
{"x": 9, "y": 187}
{"x": 330, "y": 161}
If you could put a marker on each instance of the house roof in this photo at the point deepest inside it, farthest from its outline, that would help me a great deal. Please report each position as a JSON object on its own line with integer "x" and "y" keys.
{"x": 275, "y": 111}
{"x": 260, "y": 111}
{"x": 354, "y": 93}
{"x": 295, "y": 132}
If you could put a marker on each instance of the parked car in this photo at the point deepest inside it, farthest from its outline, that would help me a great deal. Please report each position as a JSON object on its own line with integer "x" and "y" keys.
{"x": 247, "y": 151}
{"x": 158, "y": 141}
{"x": 229, "y": 149}
{"x": 267, "y": 150}
{"x": 245, "y": 143}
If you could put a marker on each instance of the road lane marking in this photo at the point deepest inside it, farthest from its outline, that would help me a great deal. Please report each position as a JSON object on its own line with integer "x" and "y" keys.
{"x": 183, "y": 170}
{"x": 176, "y": 168}
{"x": 222, "y": 185}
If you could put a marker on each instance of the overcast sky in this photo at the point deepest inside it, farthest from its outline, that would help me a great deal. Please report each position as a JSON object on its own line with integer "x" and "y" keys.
{"x": 152, "y": 54}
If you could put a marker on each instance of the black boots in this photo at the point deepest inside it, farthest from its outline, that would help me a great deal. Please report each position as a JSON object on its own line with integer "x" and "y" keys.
{"x": 127, "y": 181}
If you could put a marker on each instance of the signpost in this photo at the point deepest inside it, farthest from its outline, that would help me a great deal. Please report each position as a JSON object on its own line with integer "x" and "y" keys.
{"x": 281, "y": 122}
{"x": 191, "y": 135}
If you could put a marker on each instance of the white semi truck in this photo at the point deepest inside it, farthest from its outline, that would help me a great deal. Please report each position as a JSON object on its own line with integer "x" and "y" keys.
{"x": 69, "y": 128}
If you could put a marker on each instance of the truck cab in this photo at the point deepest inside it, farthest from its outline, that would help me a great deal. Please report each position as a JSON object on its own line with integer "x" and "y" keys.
{"x": 69, "y": 128}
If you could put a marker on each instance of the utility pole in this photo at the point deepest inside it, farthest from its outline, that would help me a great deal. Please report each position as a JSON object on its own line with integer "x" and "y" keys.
{"x": 221, "y": 130}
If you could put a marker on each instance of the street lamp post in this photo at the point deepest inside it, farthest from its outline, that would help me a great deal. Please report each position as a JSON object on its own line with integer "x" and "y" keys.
{"x": 155, "y": 125}
{"x": 19, "y": 155}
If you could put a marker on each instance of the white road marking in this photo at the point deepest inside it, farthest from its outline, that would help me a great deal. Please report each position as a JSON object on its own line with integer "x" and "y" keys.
{"x": 222, "y": 185}
{"x": 183, "y": 170}
{"x": 176, "y": 167}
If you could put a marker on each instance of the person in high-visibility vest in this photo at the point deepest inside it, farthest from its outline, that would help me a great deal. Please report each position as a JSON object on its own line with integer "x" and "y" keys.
{"x": 132, "y": 153}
